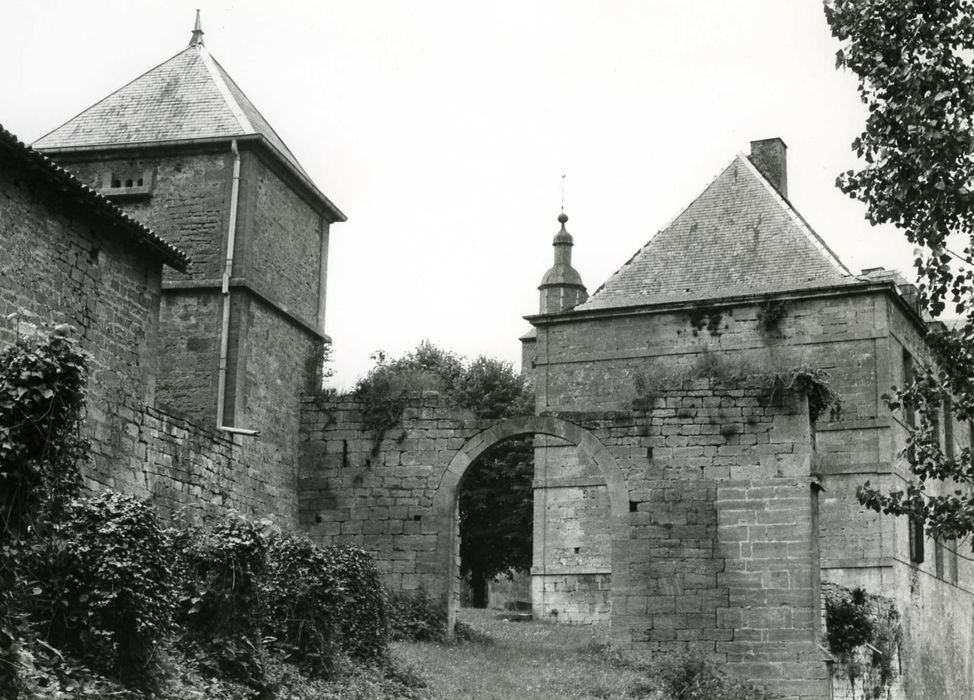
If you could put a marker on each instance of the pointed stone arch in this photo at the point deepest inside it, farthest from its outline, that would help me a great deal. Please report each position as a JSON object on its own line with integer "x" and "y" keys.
{"x": 447, "y": 494}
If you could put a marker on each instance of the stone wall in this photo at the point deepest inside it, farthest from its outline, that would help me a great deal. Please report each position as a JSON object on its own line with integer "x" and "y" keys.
{"x": 710, "y": 506}
{"x": 62, "y": 268}
{"x": 57, "y": 268}
{"x": 176, "y": 465}
{"x": 283, "y": 246}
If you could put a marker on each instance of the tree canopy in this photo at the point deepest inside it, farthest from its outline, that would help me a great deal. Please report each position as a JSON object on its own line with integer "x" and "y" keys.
{"x": 496, "y": 498}
{"x": 913, "y": 59}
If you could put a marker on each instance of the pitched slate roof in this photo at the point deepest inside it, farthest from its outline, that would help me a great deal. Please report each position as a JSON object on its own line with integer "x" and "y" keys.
{"x": 190, "y": 96}
{"x": 739, "y": 237}
{"x": 13, "y": 151}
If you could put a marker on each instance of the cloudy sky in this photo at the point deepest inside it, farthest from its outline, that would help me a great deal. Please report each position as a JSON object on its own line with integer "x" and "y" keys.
{"x": 442, "y": 129}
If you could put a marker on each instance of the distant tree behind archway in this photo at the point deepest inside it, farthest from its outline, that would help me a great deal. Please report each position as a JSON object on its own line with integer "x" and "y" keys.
{"x": 496, "y": 511}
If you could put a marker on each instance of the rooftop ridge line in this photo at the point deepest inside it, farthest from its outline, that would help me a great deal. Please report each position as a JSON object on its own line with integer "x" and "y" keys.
{"x": 224, "y": 90}
{"x": 820, "y": 245}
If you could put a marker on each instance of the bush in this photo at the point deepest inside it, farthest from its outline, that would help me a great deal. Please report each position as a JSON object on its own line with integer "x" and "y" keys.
{"x": 414, "y": 616}
{"x": 103, "y": 587}
{"x": 42, "y": 390}
{"x": 323, "y": 601}
{"x": 220, "y": 605}
{"x": 687, "y": 677}
{"x": 360, "y": 616}
{"x": 302, "y": 597}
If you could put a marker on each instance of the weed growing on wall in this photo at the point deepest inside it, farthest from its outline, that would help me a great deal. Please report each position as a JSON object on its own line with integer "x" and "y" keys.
{"x": 813, "y": 383}
{"x": 770, "y": 315}
{"x": 810, "y": 382}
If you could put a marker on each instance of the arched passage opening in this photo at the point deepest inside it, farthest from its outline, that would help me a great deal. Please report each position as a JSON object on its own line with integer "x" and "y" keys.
{"x": 446, "y": 498}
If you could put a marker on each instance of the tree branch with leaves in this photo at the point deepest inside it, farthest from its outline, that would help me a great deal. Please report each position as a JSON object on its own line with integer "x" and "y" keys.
{"x": 913, "y": 59}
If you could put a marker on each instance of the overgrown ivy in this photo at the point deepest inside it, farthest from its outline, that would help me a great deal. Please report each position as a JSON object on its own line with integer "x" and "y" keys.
{"x": 42, "y": 394}
{"x": 92, "y": 586}
{"x": 487, "y": 387}
{"x": 864, "y": 634}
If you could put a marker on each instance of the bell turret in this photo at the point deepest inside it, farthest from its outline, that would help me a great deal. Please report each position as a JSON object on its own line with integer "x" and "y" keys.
{"x": 561, "y": 287}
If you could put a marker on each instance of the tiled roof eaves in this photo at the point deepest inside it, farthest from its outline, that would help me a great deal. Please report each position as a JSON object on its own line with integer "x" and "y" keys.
{"x": 99, "y": 204}
{"x": 336, "y": 214}
{"x": 854, "y": 286}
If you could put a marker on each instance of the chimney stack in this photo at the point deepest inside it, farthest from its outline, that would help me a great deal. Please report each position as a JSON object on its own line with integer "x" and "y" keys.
{"x": 771, "y": 158}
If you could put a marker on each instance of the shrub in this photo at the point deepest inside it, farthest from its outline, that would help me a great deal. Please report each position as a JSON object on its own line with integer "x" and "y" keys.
{"x": 415, "y": 616}
{"x": 689, "y": 677}
{"x": 42, "y": 391}
{"x": 360, "y": 616}
{"x": 864, "y": 633}
{"x": 104, "y": 588}
{"x": 302, "y": 598}
{"x": 220, "y": 605}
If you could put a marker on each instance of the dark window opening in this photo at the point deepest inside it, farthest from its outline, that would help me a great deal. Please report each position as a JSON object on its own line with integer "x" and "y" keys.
{"x": 139, "y": 182}
{"x": 116, "y": 183}
{"x": 953, "y": 561}
{"x": 633, "y": 506}
{"x": 128, "y": 183}
{"x": 909, "y": 413}
{"x": 916, "y": 541}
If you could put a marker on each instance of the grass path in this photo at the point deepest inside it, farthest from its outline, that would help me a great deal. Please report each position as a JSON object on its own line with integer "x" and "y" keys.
{"x": 524, "y": 660}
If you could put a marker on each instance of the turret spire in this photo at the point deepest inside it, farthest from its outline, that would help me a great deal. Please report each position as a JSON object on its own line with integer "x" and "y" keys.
{"x": 197, "y": 38}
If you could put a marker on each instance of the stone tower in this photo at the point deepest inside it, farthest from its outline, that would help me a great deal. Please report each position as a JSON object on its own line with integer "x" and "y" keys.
{"x": 182, "y": 149}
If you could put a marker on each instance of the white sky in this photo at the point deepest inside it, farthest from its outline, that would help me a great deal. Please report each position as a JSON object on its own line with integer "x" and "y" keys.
{"x": 442, "y": 128}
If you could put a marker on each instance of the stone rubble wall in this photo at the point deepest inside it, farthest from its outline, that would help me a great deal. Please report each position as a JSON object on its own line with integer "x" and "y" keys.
{"x": 180, "y": 467}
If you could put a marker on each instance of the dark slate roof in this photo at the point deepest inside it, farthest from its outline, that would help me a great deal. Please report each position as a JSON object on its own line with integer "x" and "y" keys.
{"x": 12, "y": 150}
{"x": 190, "y": 96}
{"x": 739, "y": 237}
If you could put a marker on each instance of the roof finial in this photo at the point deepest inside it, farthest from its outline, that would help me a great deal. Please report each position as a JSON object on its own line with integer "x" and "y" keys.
{"x": 197, "y": 38}
{"x": 563, "y": 194}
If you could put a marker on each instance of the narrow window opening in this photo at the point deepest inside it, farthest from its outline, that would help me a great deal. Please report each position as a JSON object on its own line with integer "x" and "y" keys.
{"x": 949, "y": 451}
{"x": 633, "y": 506}
{"x": 953, "y": 561}
{"x": 128, "y": 183}
{"x": 916, "y": 541}
{"x": 577, "y": 550}
{"x": 139, "y": 182}
{"x": 909, "y": 415}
